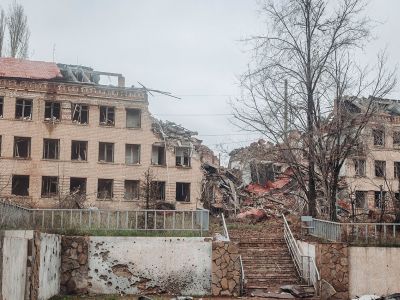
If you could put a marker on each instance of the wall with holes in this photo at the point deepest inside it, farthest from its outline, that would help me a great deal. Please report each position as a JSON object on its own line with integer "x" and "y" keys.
{"x": 138, "y": 265}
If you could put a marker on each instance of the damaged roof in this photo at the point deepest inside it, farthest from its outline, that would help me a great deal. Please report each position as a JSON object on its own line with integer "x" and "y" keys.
{"x": 21, "y": 68}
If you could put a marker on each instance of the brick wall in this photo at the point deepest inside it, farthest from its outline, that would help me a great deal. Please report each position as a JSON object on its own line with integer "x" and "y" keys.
{"x": 67, "y": 131}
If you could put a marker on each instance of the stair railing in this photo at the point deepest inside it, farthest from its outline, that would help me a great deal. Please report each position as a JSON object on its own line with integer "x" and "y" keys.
{"x": 305, "y": 265}
{"x": 226, "y": 234}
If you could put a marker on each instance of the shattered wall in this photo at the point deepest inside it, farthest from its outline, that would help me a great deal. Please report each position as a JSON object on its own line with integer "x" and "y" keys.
{"x": 225, "y": 269}
{"x": 142, "y": 265}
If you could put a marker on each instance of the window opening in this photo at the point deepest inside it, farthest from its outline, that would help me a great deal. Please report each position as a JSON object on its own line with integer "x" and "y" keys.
{"x": 182, "y": 156}
{"x": 379, "y": 137}
{"x": 77, "y": 185}
{"x": 183, "y": 191}
{"x": 107, "y": 115}
{"x": 20, "y": 185}
{"x": 23, "y": 109}
{"x": 380, "y": 199}
{"x": 22, "y": 147}
{"x": 51, "y": 149}
{"x": 49, "y": 186}
{"x": 158, "y": 190}
{"x": 360, "y": 197}
{"x": 133, "y": 118}
{"x": 359, "y": 167}
{"x": 131, "y": 189}
{"x": 106, "y": 152}
{"x": 158, "y": 155}
{"x": 80, "y": 113}
{"x": 1, "y": 106}
{"x": 105, "y": 189}
{"x": 52, "y": 111}
{"x": 79, "y": 150}
{"x": 380, "y": 168}
{"x": 132, "y": 154}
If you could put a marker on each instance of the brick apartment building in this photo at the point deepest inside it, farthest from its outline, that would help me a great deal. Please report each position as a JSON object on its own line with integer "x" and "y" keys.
{"x": 372, "y": 172}
{"x": 63, "y": 134}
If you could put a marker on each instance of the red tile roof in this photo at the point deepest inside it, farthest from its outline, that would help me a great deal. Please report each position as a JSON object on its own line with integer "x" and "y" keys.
{"x": 21, "y": 68}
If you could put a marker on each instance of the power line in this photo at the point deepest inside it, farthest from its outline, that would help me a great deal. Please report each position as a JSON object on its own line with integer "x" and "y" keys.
{"x": 202, "y": 95}
{"x": 192, "y": 115}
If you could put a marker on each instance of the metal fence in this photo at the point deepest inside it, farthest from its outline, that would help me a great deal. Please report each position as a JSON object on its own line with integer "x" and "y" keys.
{"x": 305, "y": 265}
{"x": 13, "y": 216}
{"x": 364, "y": 233}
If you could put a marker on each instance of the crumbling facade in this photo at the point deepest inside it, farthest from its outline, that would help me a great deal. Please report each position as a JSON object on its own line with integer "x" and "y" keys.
{"x": 68, "y": 141}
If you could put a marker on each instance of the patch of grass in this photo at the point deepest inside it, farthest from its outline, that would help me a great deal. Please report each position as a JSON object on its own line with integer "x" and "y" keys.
{"x": 119, "y": 232}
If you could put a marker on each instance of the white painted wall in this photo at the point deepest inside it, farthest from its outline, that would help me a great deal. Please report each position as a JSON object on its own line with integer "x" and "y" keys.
{"x": 307, "y": 249}
{"x": 374, "y": 270}
{"x": 50, "y": 264}
{"x": 123, "y": 264}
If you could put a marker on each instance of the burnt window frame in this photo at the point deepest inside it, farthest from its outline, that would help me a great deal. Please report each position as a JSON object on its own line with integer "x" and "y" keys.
{"x": 127, "y": 110}
{"x": 72, "y": 148}
{"x": 46, "y": 190}
{"x": 24, "y": 106}
{"x": 82, "y": 108}
{"x": 139, "y": 154}
{"x": 188, "y": 185}
{"x": 13, "y": 178}
{"x": 382, "y": 173}
{"x": 111, "y": 194}
{"x": 57, "y": 148}
{"x": 106, "y": 122}
{"x": 158, "y": 190}
{"x": 51, "y": 105}
{"x": 135, "y": 196}
{"x": 29, "y": 139}
{"x": 106, "y": 144}
{"x": 188, "y": 164}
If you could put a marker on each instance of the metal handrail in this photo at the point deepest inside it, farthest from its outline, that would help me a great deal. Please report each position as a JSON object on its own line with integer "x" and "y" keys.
{"x": 242, "y": 277}
{"x": 304, "y": 264}
{"x": 226, "y": 234}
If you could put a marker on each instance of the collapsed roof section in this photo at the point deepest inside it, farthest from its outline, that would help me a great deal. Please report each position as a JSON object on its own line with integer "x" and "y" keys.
{"x": 382, "y": 106}
{"x": 174, "y": 133}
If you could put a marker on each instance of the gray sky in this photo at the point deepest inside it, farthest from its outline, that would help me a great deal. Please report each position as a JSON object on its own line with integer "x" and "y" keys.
{"x": 188, "y": 47}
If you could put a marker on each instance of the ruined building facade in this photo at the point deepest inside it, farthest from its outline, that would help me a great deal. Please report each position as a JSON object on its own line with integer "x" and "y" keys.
{"x": 65, "y": 135}
{"x": 371, "y": 173}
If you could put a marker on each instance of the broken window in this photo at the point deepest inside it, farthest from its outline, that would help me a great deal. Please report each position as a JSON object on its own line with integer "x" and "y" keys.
{"x": 49, "y": 186}
{"x": 396, "y": 138}
{"x": 20, "y": 185}
{"x": 107, "y": 116}
{"x": 77, "y": 185}
{"x": 51, "y": 149}
{"x": 380, "y": 199}
{"x": 359, "y": 167}
{"x": 22, "y": 147}
{"x": 1, "y": 106}
{"x": 396, "y": 169}
{"x": 133, "y": 117}
{"x": 182, "y": 156}
{"x": 1, "y": 142}
{"x": 131, "y": 190}
{"x": 158, "y": 190}
{"x": 132, "y": 154}
{"x": 183, "y": 191}
{"x": 379, "y": 137}
{"x": 158, "y": 155}
{"x": 380, "y": 168}
{"x": 79, "y": 150}
{"x": 360, "y": 197}
{"x": 23, "y": 109}
{"x": 80, "y": 113}
{"x": 105, "y": 189}
{"x": 106, "y": 152}
{"x": 52, "y": 111}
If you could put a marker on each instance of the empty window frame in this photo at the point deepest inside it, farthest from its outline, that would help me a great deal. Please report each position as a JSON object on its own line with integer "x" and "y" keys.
{"x": 379, "y": 137}
{"x": 49, "y": 186}
{"x": 107, "y": 115}
{"x": 105, "y": 188}
{"x": 396, "y": 138}
{"x": 183, "y": 191}
{"x": 52, "y": 111}
{"x": 157, "y": 190}
{"x": 22, "y": 147}
{"x": 51, "y": 149}
{"x": 23, "y": 109}
{"x": 80, "y": 113}
{"x": 106, "y": 152}
{"x": 182, "y": 156}
{"x": 131, "y": 190}
{"x": 359, "y": 167}
{"x": 132, "y": 154}
{"x": 79, "y": 150}
{"x": 1, "y": 143}
{"x": 77, "y": 185}
{"x": 20, "y": 185}
{"x": 360, "y": 199}
{"x": 380, "y": 199}
{"x": 396, "y": 169}
{"x": 133, "y": 118}
{"x": 158, "y": 155}
{"x": 380, "y": 168}
{"x": 1, "y": 106}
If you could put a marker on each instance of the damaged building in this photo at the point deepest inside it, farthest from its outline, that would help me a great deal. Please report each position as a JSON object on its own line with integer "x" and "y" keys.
{"x": 63, "y": 133}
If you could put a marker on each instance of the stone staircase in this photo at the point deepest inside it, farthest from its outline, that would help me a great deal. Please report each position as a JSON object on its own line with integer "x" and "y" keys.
{"x": 266, "y": 259}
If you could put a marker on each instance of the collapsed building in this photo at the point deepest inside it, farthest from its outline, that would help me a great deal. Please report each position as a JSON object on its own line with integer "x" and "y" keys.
{"x": 69, "y": 141}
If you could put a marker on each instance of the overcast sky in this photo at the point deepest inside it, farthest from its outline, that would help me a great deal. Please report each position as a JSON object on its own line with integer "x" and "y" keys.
{"x": 191, "y": 48}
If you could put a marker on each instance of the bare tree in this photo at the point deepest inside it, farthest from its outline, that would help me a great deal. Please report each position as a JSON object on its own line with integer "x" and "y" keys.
{"x": 303, "y": 68}
{"x": 148, "y": 188}
{"x": 2, "y": 29}
{"x": 18, "y": 31}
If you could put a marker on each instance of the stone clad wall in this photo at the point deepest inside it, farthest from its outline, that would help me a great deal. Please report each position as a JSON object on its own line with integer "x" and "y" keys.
{"x": 74, "y": 265}
{"x": 333, "y": 263}
{"x": 225, "y": 269}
